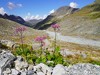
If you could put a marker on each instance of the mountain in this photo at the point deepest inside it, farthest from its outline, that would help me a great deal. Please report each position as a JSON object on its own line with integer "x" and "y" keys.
{"x": 33, "y": 22}
{"x": 97, "y": 1}
{"x": 54, "y": 17}
{"x": 84, "y": 22}
{"x": 65, "y": 10}
{"x": 14, "y": 18}
{"x": 7, "y": 31}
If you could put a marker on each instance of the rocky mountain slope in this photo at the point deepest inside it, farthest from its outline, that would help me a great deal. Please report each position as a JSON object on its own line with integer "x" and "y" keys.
{"x": 97, "y": 1}
{"x": 56, "y": 16}
{"x": 17, "y": 19}
{"x": 33, "y": 22}
{"x": 84, "y": 22}
{"x": 7, "y": 31}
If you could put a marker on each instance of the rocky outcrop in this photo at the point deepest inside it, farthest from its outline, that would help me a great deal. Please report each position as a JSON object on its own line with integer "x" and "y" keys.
{"x": 8, "y": 43}
{"x": 11, "y": 65}
{"x": 6, "y": 61}
{"x": 83, "y": 69}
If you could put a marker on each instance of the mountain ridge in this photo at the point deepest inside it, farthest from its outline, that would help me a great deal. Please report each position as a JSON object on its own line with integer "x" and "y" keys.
{"x": 58, "y": 14}
{"x": 17, "y": 19}
{"x": 85, "y": 22}
{"x": 33, "y": 22}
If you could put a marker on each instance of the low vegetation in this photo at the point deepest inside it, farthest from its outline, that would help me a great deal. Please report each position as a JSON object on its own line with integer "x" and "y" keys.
{"x": 94, "y": 15}
{"x": 54, "y": 57}
{"x": 35, "y": 56}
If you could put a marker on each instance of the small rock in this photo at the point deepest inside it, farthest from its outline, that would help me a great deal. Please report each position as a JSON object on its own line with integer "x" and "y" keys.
{"x": 23, "y": 73}
{"x": 8, "y": 71}
{"x": 43, "y": 68}
{"x": 31, "y": 67}
{"x": 21, "y": 65}
{"x": 30, "y": 72}
{"x": 14, "y": 72}
{"x": 20, "y": 58}
{"x": 40, "y": 73}
{"x": 36, "y": 46}
{"x": 83, "y": 55}
{"x": 59, "y": 70}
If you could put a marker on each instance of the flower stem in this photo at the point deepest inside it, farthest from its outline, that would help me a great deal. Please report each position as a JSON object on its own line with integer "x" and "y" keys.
{"x": 55, "y": 39}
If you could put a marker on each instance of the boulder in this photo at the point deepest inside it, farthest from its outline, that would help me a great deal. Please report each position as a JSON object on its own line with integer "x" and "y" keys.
{"x": 59, "y": 70}
{"x": 20, "y": 64}
{"x": 7, "y": 71}
{"x": 6, "y": 60}
{"x": 43, "y": 68}
{"x": 8, "y": 43}
{"x": 83, "y": 69}
{"x": 21, "y": 67}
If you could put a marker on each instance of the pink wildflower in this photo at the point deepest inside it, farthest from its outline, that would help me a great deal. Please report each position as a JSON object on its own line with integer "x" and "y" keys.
{"x": 40, "y": 38}
{"x": 55, "y": 26}
{"x": 20, "y": 29}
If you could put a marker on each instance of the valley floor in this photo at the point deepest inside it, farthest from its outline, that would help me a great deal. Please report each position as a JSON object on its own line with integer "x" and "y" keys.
{"x": 76, "y": 40}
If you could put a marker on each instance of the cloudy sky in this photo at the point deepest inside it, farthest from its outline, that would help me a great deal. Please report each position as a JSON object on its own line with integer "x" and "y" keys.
{"x": 37, "y": 9}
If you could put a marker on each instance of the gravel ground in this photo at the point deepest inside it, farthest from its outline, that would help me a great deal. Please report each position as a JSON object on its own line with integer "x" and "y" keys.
{"x": 77, "y": 40}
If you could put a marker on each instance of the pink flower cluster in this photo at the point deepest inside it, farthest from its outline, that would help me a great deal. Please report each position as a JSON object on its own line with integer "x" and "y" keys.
{"x": 20, "y": 29}
{"x": 55, "y": 26}
{"x": 40, "y": 38}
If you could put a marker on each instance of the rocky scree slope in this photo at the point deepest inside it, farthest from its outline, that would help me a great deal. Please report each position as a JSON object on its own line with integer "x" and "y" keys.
{"x": 84, "y": 22}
